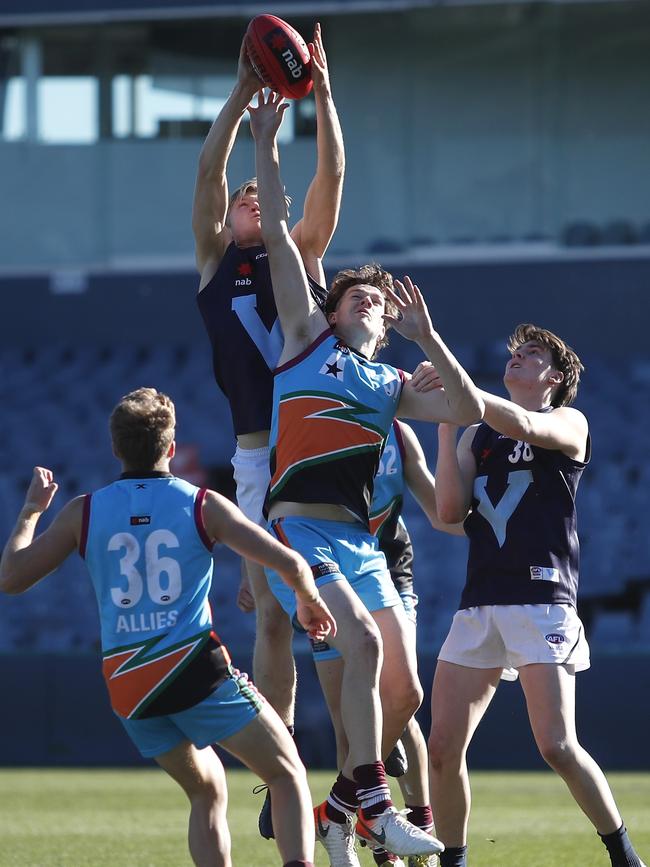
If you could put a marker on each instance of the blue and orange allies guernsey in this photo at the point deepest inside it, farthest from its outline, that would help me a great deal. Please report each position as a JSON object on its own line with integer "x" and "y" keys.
{"x": 332, "y": 412}
{"x": 386, "y": 512}
{"x": 150, "y": 562}
{"x": 389, "y": 483}
{"x": 522, "y": 529}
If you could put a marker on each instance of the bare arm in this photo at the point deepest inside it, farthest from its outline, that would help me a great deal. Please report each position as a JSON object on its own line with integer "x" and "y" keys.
{"x": 300, "y": 317}
{"x": 455, "y": 473}
{"x": 225, "y": 522}
{"x": 460, "y": 401}
{"x": 421, "y": 483}
{"x": 564, "y": 429}
{"x": 314, "y": 231}
{"x": 211, "y": 191}
{"x": 25, "y": 559}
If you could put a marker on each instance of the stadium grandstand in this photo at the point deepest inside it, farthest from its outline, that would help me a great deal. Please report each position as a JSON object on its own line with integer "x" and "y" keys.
{"x": 497, "y": 152}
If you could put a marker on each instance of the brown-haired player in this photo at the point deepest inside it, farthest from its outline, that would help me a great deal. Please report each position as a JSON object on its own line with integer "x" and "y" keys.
{"x": 512, "y": 479}
{"x": 147, "y": 541}
{"x": 332, "y": 410}
{"x": 236, "y": 302}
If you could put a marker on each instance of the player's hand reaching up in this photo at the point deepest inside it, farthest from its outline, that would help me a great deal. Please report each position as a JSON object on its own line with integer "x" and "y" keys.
{"x": 319, "y": 71}
{"x": 246, "y": 75}
{"x": 41, "y": 491}
{"x": 315, "y": 617}
{"x": 411, "y": 318}
{"x": 267, "y": 115}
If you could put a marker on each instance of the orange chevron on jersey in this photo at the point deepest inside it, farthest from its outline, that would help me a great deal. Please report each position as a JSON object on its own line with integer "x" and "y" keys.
{"x": 315, "y": 426}
{"x": 378, "y": 519}
{"x": 134, "y": 675}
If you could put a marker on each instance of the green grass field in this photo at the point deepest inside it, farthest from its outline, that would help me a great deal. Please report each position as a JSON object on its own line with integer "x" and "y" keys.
{"x": 137, "y": 818}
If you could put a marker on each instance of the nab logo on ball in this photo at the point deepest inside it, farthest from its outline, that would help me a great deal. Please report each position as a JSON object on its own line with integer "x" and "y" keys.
{"x": 281, "y": 47}
{"x": 279, "y": 56}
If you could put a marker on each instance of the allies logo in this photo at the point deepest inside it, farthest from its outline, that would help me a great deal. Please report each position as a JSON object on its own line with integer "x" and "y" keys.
{"x": 554, "y": 638}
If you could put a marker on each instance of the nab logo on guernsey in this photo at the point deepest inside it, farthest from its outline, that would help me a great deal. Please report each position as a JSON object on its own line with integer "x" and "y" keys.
{"x": 554, "y": 638}
{"x": 138, "y": 520}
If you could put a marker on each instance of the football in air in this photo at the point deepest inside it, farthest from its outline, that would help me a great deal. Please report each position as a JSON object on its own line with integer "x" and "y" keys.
{"x": 279, "y": 56}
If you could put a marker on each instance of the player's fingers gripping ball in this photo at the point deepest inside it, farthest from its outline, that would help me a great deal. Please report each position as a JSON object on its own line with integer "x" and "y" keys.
{"x": 279, "y": 56}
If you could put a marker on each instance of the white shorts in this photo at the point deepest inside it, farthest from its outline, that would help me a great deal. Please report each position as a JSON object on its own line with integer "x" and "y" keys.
{"x": 511, "y": 636}
{"x": 252, "y": 475}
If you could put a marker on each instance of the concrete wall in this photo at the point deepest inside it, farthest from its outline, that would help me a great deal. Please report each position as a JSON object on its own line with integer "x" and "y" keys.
{"x": 459, "y": 123}
{"x": 599, "y": 305}
{"x": 59, "y": 714}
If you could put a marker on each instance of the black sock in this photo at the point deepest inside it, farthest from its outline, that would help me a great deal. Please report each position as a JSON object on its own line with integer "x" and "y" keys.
{"x": 620, "y": 849}
{"x": 454, "y": 857}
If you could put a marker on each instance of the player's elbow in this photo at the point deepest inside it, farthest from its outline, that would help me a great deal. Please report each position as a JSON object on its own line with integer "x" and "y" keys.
{"x": 10, "y": 582}
{"x": 450, "y": 512}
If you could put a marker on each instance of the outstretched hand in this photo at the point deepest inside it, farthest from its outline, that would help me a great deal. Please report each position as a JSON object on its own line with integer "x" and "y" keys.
{"x": 315, "y": 617}
{"x": 41, "y": 491}
{"x": 319, "y": 70}
{"x": 246, "y": 75}
{"x": 267, "y": 115}
{"x": 426, "y": 377}
{"x": 412, "y": 319}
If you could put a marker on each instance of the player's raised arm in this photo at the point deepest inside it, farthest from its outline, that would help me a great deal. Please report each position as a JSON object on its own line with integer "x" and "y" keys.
{"x": 226, "y": 523}
{"x": 25, "y": 560}
{"x": 455, "y": 473}
{"x": 211, "y": 191}
{"x": 300, "y": 317}
{"x": 564, "y": 428}
{"x": 460, "y": 400}
{"x": 314, "y": 231}
{"x": 421, "y": 482}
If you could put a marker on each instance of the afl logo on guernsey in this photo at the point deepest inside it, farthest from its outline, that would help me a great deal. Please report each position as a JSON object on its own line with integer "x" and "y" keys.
{"x": 554, "y": 638}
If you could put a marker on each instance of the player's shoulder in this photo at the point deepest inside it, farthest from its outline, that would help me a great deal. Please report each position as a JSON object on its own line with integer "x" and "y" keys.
{"x": 570, "y": 413}
{"x": 469, "y": 434}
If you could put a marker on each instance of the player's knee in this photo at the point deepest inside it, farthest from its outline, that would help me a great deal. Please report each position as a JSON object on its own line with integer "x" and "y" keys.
{"x": 367, "y": 650}
{"x": 272, "y": 623}
{"x": 209, "y": 791}
{"x": 289, "y": 771}
{"x": 403, "y": 697}
{"x": 442, "y": 749}
{"x": 558, "y": 753}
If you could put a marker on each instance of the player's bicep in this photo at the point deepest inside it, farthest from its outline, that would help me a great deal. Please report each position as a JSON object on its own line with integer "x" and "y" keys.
{"x": 226, "y": 523}
{"x": 424, "y": 406}
{"x": 211, "y": 236}
{"x": 564, "y": 429}
{"x": 310, "y": 259}
{"x": 49, "y": 549}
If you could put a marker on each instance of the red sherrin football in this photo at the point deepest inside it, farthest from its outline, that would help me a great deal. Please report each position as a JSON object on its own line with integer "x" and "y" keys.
{"x": 279, "y": 56}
